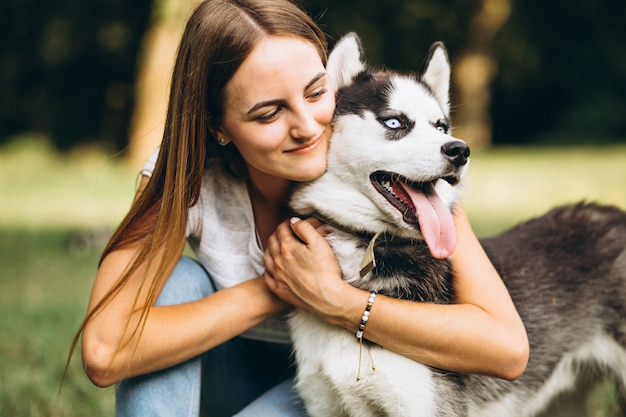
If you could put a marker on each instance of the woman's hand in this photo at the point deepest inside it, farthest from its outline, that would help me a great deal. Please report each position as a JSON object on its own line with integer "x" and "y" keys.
{"x": 301, "y": 268}
{"x": 481, "y": 333}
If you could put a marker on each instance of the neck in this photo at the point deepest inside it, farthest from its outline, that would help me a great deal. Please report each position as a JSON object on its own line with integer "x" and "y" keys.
{"x": 269, "y": 197}
{"x": 271, "y": 189}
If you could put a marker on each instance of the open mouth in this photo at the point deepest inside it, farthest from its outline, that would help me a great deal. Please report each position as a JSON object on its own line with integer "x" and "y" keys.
{"x": 421, "y": 207}
{"x": 396, "y": 188}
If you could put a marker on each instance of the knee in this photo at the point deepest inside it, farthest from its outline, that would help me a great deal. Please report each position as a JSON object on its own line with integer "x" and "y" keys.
{"x": 189, "y": 281}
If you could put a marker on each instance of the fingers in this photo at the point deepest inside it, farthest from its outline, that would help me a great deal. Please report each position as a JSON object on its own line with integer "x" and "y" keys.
{"x": 308, "y": 230}
{"x": 296, "y": 256}
{"x": 272, "y": 252}
{"x": 282, "y": 248}
{"x": 313, "y": 221}
{"x": 270, "y": 282}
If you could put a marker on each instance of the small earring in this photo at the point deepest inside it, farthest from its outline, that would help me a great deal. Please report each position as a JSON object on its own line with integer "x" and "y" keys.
{"x": 222, "y": 142}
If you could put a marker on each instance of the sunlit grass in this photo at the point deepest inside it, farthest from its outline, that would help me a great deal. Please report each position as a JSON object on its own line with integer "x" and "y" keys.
{"x": 90, "y": 189}
{"x": 50, "y": 206}
{"x": 45, "y": 283}
{"x": 42, "y": 188}
{"x": 507, "y": 185}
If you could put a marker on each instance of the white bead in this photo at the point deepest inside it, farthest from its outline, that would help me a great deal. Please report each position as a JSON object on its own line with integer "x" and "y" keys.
{"x": 364, "y": 318}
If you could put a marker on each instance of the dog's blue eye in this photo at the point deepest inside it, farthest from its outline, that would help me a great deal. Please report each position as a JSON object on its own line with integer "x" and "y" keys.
{"x": 393, "y": 123}
{"x": 442, "y": 126}
{"x": 397, "y": 125}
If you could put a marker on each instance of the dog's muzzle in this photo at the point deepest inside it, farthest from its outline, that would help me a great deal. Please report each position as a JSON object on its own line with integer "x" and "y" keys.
{"x": 456, "y": 151}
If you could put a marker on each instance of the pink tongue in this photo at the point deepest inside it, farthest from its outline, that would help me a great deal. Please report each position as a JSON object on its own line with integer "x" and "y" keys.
{"x": 435, "y": 220}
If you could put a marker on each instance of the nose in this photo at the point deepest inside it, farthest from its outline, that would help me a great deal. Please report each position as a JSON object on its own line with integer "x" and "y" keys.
{"x": 304, "y": 126}
{"x": 456, "y": 151}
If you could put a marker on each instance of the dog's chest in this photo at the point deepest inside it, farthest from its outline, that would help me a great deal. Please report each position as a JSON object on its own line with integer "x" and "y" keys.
{"x": 403, "y": 268}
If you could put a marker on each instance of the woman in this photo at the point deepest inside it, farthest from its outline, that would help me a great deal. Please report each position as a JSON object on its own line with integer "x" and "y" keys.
{"x": 249, "y": 115}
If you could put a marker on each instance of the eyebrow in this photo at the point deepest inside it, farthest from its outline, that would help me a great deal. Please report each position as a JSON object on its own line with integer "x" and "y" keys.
{"x": 262, "y": 104}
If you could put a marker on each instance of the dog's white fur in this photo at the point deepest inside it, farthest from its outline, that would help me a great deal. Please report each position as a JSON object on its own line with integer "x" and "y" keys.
{"x": 327, "y": 357}
{"x": 344, "y": 193}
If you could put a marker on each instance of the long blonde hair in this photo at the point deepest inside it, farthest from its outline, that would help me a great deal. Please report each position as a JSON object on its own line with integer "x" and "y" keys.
{"x": 218, "y": 36}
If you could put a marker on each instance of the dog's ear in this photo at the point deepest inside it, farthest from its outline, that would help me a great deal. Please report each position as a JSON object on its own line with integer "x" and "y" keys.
{"x": 436, "y": 74}
{"x": 345, "y": 61}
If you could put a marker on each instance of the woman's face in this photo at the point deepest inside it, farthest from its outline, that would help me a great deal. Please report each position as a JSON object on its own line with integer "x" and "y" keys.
{"x": 278, "y": 111}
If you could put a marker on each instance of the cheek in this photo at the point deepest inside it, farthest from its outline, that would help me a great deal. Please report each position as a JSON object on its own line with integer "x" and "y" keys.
{"x": 254, "y": 137}
{"x": 328, "y": 116}
{"x": 329, "y": 111}
{"x": 260, "y": 144}
{"x": 325, "y": 109}
{"x": 269, "y": 137}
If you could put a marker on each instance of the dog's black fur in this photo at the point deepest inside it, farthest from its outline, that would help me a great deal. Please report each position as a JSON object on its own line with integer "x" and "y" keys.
{"x": 565, "y": 271}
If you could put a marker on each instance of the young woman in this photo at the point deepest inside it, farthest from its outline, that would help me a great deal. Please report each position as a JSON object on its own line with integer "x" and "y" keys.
{"x": 249, "y": 115}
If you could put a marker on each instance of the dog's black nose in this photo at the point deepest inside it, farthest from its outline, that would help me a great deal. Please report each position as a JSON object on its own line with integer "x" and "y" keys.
{"x": 456, "y": 151}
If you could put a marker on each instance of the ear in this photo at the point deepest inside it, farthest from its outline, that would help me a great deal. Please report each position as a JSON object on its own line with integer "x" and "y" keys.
{"x": 218, "y": 134}
{"x": 345, "y": 61}
{"x": 436, "y": 74}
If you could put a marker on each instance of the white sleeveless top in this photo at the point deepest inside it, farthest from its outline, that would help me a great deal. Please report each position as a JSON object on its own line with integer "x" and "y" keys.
{"x": 222, "y": 233}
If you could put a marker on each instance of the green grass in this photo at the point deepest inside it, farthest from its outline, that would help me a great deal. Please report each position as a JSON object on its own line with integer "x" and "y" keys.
{"x": 56, "y": 212}
{"x": 43, "y": 189}
{"x": 508, "y": 185}
{"x": 44, "y": 289}
{"x": 55, "y": 215}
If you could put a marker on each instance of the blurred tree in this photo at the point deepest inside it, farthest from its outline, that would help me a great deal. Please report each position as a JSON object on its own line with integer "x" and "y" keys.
{"x": 155, "y": 67}
{"x": 562, "y": 73}
{"x": 541, "y": 71}
{"x": 398, "y": 33}
{"x": 474, "y": 71}
{"x": 395, "y": 33}
{"x": 67, "y": 68}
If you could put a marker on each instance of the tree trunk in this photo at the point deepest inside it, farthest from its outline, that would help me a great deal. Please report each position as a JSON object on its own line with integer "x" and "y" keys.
{"x": 473, "y": 73}
{"x": 155, "y": 66}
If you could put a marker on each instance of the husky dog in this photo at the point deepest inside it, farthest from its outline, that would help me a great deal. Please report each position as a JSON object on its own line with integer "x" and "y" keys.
{"x": 394, "y": 171}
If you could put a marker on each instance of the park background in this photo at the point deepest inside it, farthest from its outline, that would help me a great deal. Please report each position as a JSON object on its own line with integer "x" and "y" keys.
{"x": 539, "y": 93}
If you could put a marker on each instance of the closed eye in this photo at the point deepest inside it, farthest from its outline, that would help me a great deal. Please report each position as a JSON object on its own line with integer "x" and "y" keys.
{"x": 268, "y": 117}
{"x": 318, "y": 93}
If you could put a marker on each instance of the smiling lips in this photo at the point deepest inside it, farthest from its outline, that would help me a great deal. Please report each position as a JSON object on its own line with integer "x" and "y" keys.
{"x": 307, "y": 148}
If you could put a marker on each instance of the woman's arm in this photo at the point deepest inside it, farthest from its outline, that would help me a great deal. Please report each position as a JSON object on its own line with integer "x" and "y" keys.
{"x": 482, "y": 333}
{"x": 113, "y": 351}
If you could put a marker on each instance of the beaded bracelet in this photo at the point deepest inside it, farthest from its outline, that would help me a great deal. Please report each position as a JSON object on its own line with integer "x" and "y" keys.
{"x": 366, "y": 314}
{"x": 359, "y": 334}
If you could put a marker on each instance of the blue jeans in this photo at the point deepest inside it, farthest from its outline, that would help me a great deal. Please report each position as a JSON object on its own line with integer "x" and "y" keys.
{"x": 242, "y": 376}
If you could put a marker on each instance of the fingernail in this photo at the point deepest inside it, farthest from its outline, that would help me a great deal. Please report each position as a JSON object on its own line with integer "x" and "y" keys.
{"x": 294, "y": 220}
